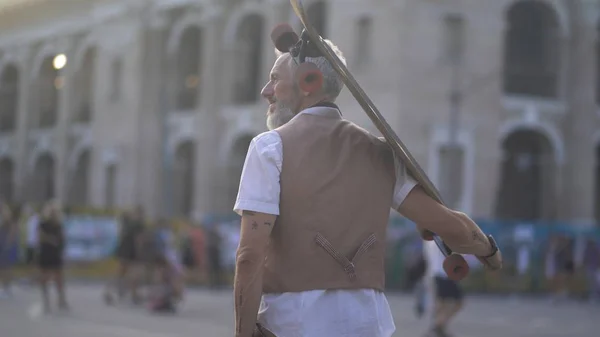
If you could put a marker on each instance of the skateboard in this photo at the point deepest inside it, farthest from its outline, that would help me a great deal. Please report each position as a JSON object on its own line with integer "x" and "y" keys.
{"x": 310, "y": 79}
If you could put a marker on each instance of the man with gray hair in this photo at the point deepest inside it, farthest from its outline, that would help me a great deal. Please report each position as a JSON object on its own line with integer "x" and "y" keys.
{"x": 315, "y": 197}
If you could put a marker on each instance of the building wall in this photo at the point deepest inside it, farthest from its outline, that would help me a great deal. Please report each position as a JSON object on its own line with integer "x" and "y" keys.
{"x": 403, "y": 71}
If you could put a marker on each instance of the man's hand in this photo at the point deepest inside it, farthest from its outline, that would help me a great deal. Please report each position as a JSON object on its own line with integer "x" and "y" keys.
{"x": 254, "y": 238}
{"x": 494, "y": 260}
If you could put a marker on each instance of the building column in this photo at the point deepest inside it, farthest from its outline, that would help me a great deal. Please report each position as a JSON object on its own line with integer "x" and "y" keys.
{"x": 62, "y": 130}
{"x": 210, "y": 123}
{"x": 22, "y": 149}
{"x": 150, "y": 153}
{"x": 577, "y": 197}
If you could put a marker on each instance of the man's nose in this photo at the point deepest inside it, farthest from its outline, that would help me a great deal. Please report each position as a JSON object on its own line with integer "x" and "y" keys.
{"x": 267, "y": 91}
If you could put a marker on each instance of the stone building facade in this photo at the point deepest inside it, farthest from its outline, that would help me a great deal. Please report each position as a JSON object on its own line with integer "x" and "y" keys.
{"x": 113, "y": 103}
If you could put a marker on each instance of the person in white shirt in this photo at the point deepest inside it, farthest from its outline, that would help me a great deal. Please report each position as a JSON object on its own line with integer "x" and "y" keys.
{"x": 324, "y": 312}
{"x": 32, "y": 235}
{"x": 447, "y": 296}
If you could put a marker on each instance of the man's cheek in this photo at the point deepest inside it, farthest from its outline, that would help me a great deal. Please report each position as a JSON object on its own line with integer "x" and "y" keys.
{"x": 283, "y": 89}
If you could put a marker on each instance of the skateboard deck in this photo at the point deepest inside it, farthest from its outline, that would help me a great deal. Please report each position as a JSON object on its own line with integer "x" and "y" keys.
{"x": 365, "y": 102}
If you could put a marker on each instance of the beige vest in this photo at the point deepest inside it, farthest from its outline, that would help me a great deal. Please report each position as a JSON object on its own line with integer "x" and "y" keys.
{"x": 337, "y": 183}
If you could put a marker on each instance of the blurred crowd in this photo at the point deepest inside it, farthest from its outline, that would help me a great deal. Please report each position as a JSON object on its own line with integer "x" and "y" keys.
{"x": 203, "y": 252}
{"x": 32, "y": 239}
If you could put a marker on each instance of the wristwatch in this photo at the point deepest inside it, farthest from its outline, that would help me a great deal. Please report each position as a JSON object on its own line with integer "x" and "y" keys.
{"x": 493, "y": 245}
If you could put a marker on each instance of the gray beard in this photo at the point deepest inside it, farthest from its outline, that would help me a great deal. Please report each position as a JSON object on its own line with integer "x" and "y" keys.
{"x": 280, "y": 116}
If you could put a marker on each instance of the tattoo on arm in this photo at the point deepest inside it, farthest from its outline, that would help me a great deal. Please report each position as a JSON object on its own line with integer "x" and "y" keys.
{"x": 267, "y": 224}
{"x": 478, "y": 237}
{"x": 254, "y": 225}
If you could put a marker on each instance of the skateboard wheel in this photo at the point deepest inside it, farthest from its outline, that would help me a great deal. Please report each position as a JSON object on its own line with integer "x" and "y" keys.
{"x": 284, "y": 37}
{"x": 309, "y": 77}
{"x": 456, "y": 267}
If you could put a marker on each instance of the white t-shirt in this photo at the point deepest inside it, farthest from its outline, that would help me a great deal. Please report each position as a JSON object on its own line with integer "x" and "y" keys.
{"x": 32, "y": 230}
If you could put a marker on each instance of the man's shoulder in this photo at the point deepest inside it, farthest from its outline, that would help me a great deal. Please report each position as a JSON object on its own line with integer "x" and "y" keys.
{"x": 266, "y": 138}
{"x": 376, "y": 142}
{"x": 266, "y": 143}
{"x": 366, "y": 133}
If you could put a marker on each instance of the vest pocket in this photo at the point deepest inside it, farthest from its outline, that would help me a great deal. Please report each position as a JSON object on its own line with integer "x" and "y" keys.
{"x": 348, "y": 265}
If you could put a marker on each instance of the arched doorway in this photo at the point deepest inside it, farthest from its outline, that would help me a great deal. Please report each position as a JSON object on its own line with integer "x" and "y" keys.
{"x": 48, "y": 83}
{"x": 110, "y": 189}
{"x": 79, "y": 181}
{"x": 6, "y": 179}
{"x": 187, "y": 65}
{"x": 528, "y": 178}
{"x": 236, "y": 164}
{"x": 532, "y": 50}
{"x": 42, "y": 179}
{"x": 9, "y": 98}
{"x": 597, "y": 186}
{"x": 84, "y": 99}
{"x": 248, "y": 60}
{"x": 183, "y": 176}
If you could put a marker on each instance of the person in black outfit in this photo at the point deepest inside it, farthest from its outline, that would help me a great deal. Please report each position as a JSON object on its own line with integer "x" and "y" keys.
{"x": 50, "y": 258}
{"x": 128, "y": 254}
{"x": 565, "y": 267}
{"x": 214, "y": 256}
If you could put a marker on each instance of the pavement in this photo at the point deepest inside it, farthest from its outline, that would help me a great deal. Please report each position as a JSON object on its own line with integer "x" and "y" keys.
{"x": 210, "y": 313}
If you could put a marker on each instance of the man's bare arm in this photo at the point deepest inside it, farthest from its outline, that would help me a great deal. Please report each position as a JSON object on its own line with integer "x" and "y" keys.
{"x": 247, "y": 286}
{"x": 457, "y": 230}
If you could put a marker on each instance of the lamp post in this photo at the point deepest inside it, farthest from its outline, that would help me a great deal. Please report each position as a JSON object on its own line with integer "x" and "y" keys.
{"x": 451, "y": 153}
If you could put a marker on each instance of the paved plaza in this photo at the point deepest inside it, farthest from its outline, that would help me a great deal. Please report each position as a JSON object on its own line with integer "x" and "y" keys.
{"x": 210, "y": 314}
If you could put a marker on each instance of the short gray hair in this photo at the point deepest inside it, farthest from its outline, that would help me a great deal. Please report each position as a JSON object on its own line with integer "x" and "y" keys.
{"x": 332, "y": 82}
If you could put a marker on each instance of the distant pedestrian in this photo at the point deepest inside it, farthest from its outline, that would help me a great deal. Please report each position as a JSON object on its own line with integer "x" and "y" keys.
{"x": 51, "y": 249}
{"x": 448, "y": 295}
{"x": 8, "y": 248}
{"x": 591, "y": 263}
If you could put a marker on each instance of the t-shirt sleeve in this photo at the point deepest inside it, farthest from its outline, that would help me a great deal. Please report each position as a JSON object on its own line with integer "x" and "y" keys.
{"x": 260, "y": 180}
{"x": 404, "y": 183}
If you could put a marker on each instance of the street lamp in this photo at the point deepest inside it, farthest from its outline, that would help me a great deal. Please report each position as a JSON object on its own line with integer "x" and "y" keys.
{"x": 451, "y": 153}
{"x": 59, "y": 61}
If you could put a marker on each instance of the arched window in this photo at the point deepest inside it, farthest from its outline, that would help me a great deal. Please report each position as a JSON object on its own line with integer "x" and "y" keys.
{"x": 249, "y": 47}
{"x": 9, "y": 98}
{"x": 531, "y": 59}
{"x": 188, "y": 63}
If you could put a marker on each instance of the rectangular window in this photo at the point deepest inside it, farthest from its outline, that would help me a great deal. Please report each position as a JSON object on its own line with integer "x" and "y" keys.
{"x": 116, "y": 76}
{"x": 363, "y": 41}
{"x": 453, "y": 39}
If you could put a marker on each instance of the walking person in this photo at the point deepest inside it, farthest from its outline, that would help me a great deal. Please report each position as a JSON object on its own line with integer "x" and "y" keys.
{"x": 128, "y": 255}
{"x": 51, "y": 249}
{"x": 215, "y": 258}
{"x": 169, "y": 278}
{"x": 448, "y": 298}
{"x": 591, "y": 263}
{"x": 564, "y": 268}
{"x": 315, "y": 196}
{"x": 8, "y": 249}
{"x": 32, "y": 242}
